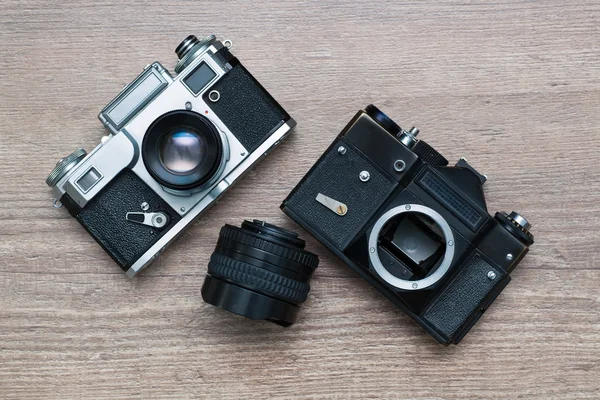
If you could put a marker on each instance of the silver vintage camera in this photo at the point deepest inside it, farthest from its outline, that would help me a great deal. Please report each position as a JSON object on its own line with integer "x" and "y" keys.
{"x": 176, "y": 143}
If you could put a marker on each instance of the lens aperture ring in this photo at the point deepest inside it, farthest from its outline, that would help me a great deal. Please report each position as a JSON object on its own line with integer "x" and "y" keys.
{"x": 258, "y": 279}
{"x": 248, "y": 239}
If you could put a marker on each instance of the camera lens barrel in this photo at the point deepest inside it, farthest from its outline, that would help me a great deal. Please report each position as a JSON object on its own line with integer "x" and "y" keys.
{"x": 259, "y": 271}
{"x": 183, "y": 150}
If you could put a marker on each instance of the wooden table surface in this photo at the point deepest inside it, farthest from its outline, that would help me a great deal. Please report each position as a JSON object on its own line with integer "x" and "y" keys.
{"x": 512, "y": 86}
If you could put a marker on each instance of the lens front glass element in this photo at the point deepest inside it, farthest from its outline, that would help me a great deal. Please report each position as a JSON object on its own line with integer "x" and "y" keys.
{"x": 182, "y": 149}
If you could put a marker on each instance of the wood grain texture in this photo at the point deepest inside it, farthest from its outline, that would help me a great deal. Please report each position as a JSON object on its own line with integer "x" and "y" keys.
{"x": 513, "y": 86}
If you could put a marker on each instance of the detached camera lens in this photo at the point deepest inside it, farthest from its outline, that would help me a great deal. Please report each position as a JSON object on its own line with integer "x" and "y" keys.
{"x": 259, "y": 271}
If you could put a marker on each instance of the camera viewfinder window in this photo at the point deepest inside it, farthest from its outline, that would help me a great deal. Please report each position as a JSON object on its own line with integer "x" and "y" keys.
{"x": 89, "y": 179}
{"x": 199, "y": 78}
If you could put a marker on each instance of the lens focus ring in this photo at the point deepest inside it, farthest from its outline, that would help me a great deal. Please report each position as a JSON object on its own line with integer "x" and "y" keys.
{"x": 257, "y": 278}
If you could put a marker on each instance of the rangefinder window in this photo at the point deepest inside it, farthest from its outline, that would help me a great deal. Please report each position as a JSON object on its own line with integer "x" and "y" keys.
{"x": 89, "y": 179}
{"x": 199, "y": 78}
{"x": 140, "y": 93}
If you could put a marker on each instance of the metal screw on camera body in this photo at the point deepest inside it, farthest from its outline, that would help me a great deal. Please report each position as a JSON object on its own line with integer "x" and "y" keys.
{"x": 364, "y": 176}
{"x": 214, "y": 96}
{"x": 509, "y": 257}
{"x": 145, "y": 206}
{"x": 159, "y": 220}
{"x": 491, "y": 275}
{"x": 341, "y": 150}
{"x": 399, "y": 165}
{"x": 188, "y": 105}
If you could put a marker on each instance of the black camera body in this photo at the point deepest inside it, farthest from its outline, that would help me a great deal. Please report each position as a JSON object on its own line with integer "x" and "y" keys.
{"x": 415, "y": 228}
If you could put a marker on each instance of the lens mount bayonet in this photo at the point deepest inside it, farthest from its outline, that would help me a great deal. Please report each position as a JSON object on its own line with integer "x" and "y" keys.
{"x": 437, "y": 274}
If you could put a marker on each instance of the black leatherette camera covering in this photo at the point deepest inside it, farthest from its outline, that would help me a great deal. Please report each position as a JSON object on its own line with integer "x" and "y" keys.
{"x": 464, "y": 295}
{"x": 337, "y": 176}
{"x": 245, "y": 107}
{"x": 104, "y": 217}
